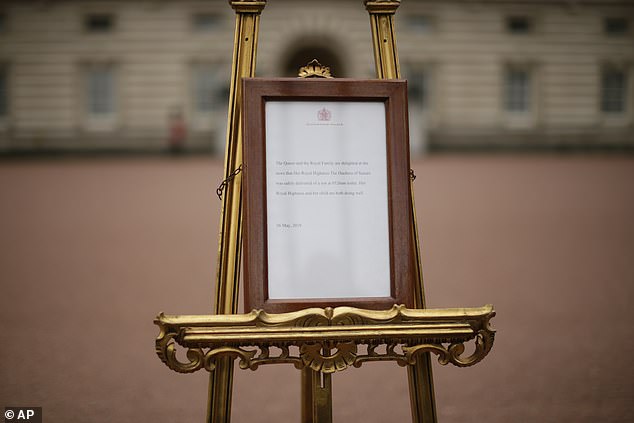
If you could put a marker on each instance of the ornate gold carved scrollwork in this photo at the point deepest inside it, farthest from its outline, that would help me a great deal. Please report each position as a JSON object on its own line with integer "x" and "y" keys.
{"x": 327, "y": 340}
{"x": 313, "y": 356}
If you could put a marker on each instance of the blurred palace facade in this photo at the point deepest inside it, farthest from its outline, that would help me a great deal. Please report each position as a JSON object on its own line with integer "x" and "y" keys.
{"x": 111, "y": 75}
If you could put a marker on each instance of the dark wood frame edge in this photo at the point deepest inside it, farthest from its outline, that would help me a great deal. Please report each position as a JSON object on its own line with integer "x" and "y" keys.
{"x": 256, "y": 91}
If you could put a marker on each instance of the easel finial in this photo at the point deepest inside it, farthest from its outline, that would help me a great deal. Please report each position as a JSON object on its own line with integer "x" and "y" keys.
{"x": 314, "y": 69}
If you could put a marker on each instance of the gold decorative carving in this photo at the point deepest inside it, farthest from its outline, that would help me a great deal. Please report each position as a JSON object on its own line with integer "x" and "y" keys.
{"x": 327, "y": 340}
{"x": 314, "y": 69}
{"x": 312, "y": 356}
{"x": 247, "y": 6}
{"x": 382, "y": 6}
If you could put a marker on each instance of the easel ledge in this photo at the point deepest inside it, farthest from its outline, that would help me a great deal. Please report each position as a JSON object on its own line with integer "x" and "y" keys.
{"x": 326, "y": 340}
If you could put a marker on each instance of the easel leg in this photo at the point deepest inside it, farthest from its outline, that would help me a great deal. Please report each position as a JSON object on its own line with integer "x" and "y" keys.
{"x": 220, "y": 388}
{"x": 421, "y": 386}
{"x": 307, "y": 395}
{"x": 316, "y": 397}
{"x": 228, "y": 268}
{"x": 421, "y": 390}
{"x": 421, "y": 380}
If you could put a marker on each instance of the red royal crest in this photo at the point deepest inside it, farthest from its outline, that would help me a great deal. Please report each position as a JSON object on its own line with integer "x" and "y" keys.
{"x": 324, "y": 114}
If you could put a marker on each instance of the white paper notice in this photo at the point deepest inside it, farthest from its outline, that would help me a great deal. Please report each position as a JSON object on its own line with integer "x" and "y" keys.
{"x": 327, "y": 208}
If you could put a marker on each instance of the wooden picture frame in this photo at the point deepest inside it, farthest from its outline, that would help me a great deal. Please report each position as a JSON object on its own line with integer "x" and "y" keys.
{"x": 359, "y": 208}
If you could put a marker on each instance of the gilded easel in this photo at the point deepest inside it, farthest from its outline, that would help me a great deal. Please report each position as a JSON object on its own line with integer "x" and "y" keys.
{"x": 327, "y": 339}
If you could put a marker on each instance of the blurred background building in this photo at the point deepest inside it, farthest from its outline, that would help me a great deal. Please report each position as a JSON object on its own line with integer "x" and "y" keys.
{"x": 91, "y": 250}
{"x": 115, "y": 75}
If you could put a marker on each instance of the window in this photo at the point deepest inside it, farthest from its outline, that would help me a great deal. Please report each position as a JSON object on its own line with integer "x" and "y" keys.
{"x": 204, "y": 89}
{"x": 615, "y": 26}
{"x": 99, "y": 22}
{"x": 100, "y": 91}
{"x": 519, "y": 24}
{"x": 517, "y": 90}
{"x": 207, "y": 89}
{"x": 209, "y": 94}
{"x": 4, "y": 92}
{"x": 417, "y": 87}
{"x": 204, "y": 22}
{"x": 420, "y": 23}
{"x": 613, "y": 89}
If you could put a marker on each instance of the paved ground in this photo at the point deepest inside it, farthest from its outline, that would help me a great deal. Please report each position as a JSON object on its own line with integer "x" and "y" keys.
{"x": 91, "y": 250}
